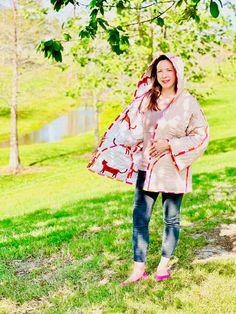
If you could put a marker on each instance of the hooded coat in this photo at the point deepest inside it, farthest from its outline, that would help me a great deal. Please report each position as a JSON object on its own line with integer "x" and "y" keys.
{"x": 182, "y": 123}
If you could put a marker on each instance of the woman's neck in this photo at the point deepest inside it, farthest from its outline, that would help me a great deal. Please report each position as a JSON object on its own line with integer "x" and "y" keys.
{"x": 167, "y": 96}
{"x": 167, "y": 93}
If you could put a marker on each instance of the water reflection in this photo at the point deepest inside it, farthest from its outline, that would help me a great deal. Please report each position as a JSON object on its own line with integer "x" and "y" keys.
{"x": 75, "y": 122}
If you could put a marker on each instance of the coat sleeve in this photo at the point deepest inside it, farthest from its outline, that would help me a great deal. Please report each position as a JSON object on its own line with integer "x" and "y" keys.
{"x": 185, "y": 150}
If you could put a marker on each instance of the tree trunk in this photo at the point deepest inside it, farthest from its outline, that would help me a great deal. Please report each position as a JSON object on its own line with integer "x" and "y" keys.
{"x": 74, "y": 8}
{"x": 96, "y": 127}
{"x": 164, "y": 32}
{"x": 138, "y": 16}
{"x": 150, "y": 57}
{"x": 14, "y": 163}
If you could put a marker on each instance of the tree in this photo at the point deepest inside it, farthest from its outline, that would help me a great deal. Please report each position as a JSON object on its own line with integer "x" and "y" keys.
{"x": 21, "y": 25}
{"x": 188, "y": 39}
{"x": 14, "y": 162}
{"x": 94, "y": 77}
{"x": 101, "y": 16}
{"x": 111, "y": 73}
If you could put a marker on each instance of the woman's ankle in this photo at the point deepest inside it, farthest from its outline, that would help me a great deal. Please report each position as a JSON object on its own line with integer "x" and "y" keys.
{"x": 162, "y": 269}
{"x": 139, "y": 267}
{"x": 163, "y": 264}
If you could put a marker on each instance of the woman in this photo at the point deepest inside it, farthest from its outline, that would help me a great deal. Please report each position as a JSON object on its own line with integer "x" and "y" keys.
{"x": 153, "y": 144}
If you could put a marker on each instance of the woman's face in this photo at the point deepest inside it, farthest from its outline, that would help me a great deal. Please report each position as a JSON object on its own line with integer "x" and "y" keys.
{"x": 166, "y": 74}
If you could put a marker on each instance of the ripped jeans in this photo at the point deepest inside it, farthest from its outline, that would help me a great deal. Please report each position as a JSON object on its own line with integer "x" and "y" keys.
{"x": 142, "y": 211}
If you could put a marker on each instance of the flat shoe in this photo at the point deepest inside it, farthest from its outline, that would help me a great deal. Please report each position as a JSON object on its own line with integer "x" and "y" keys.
{"x": 162, "y": 277}
{"x": 144, "y": 276}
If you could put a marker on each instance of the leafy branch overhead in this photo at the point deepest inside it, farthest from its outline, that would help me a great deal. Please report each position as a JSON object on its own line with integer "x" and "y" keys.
{"x": 52, "y": 49}
{"x": 118, "y": 35}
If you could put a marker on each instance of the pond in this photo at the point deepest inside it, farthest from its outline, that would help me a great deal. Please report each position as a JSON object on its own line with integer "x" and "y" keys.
{"x": 75, "y": 122}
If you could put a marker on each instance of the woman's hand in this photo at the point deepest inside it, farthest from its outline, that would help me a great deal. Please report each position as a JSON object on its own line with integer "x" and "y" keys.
{"x": 158, "y": 147}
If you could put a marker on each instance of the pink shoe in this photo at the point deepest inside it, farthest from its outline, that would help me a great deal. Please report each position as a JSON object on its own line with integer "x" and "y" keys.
{"x": 144, "y": 276}
{"x": 162, "y": 277}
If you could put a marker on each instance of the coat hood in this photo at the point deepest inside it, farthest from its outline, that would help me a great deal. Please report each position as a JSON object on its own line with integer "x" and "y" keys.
{"x": 145, "y": 83}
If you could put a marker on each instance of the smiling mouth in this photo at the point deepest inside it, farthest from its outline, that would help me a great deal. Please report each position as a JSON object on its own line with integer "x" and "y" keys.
{"x": 165, "y": 81}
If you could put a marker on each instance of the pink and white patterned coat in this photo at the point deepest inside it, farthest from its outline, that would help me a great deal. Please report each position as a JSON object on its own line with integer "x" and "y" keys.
{"x": 182, "y": 123}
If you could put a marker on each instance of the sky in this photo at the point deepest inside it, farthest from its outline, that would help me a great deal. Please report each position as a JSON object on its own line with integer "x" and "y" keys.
{"x": 62, "y": 15}
{"x": 66, "y": 12}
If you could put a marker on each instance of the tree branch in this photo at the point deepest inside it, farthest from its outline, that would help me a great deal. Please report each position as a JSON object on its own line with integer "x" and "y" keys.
{"x": 144, "y": 21}
{"x": 129, "y": 8}
{"x": 153, "y": 18}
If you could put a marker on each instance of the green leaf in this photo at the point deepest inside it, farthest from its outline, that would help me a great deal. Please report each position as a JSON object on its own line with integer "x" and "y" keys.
{"x": 93, "y": 4}
{"x": 84, "y": 34}
{"x": 179, "y": 3}
{"x": 51, "y": 49}
{"x": 48, "y": 42}
{"x": 56, "y": 45}
{"x": 124, "y": 40}
{"x": 195, "y": 2}
{"x": 120, "y": 6}
{"x": 113, "y": 35}
{"x": 103, "y": 23}
{"x": 44, "y": 11}
{"x": 48, "y": 54}
{"x": 120, "y": 28}
{"x": 55, "y": 5}
{"x": 214, "y": 9}
{"x": 57, "y": 56}
{"x": 197, "y": 18}
{"x": 115, "y": 40}
{"x": 40, "y": 46}
{"x": 101, "y": 10}
{"x": 59, "y": 4}
{"x": 94, "y": 13}
{"x": 164, "y": 46}
{"x": 67, "y": 36}
{"x": 160, "y": 21}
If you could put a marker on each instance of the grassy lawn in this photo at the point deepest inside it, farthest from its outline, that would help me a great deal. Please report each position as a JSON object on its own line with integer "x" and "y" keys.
{"x": 65, "y": 233}
{"x": 68, "y": 257}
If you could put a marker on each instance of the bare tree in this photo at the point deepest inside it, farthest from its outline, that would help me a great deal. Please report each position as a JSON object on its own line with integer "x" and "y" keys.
{"x": 14, "y": 163}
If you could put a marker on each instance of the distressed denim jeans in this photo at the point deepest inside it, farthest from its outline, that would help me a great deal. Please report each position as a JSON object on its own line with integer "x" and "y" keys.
{"x": 142, "y": 211}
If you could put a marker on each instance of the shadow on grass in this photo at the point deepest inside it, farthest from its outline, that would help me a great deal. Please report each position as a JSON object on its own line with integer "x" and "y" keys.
{"x": 59, "y": 152}
{"x": 215, "y": 147}
{"x": 87, "y": 245}
{"x": 53, "y": 157}
{"x": 221, "y": 146}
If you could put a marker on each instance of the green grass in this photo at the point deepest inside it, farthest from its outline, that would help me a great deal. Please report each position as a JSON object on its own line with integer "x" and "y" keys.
{"x": 65, "y": 233}
{"x": 73, "y": 257}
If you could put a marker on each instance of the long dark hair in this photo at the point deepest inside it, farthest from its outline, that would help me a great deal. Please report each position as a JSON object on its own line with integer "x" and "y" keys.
{"x": 154, "y": 93}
